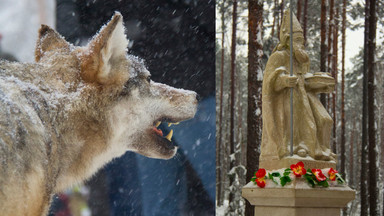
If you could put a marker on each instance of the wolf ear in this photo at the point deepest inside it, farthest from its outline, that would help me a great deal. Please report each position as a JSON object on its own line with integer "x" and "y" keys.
{"x": 49, "y": 40}
{"x": 105, "y": 52}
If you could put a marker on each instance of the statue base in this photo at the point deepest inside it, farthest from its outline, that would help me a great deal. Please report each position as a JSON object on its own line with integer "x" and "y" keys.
{"x": 286, "y": 162}
{"x": 298, "y": 199}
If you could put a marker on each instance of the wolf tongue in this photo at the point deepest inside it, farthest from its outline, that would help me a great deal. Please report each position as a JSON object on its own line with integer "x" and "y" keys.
{"x": 158, "y": 131}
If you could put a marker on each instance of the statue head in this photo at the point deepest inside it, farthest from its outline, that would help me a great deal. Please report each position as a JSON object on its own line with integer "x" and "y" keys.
{"x": 285, "y": 27}
{"x": 298, "y": 37}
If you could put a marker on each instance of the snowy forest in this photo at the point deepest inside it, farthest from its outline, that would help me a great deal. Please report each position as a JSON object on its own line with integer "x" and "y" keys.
{"x": 344, "y": 38}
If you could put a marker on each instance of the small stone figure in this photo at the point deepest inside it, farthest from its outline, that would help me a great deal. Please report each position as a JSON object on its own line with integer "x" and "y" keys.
{"x": 311, "y": 123}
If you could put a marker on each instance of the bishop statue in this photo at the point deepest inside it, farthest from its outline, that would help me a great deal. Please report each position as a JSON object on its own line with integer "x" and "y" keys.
{"x": 311, "y": 122}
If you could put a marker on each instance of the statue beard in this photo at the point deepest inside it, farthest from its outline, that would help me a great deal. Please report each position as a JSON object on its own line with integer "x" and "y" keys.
{"x": 300, "y": 54}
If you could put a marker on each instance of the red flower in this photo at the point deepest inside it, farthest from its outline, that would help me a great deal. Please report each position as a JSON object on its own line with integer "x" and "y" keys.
{"x": 260, "y": 182}
{"x": 298, "y": 169}
{"x": 319, "y": 175}
{"x": 332, "y": 174}
{"x": 260, "y": 174}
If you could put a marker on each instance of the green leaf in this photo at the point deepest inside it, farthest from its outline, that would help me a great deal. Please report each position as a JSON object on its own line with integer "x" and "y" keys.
{"x": 339, "y": 179}
{"x": 284, "y": 180}
{"x": 253, "y": 179}
{"x": 287, "y": 172}
{"x": 309, "y": 178}
{"x": 270, "y": 176}
{"x": 276, "y": 174}
{"x": 324, "y": 183}
{"x": 274, "y": 181}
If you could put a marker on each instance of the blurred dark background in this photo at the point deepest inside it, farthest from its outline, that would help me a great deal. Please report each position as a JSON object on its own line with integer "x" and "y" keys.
{"x": 176, "y": 40}
{"x": 175, "y": 37}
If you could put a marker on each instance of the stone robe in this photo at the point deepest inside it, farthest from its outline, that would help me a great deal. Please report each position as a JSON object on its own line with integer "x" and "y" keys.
{"x": 311, "y": 123}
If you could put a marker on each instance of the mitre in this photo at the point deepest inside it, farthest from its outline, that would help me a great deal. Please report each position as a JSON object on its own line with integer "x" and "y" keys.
{"x": 285, "y": 25}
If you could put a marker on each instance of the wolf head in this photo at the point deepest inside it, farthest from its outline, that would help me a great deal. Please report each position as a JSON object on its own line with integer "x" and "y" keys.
{"x": 119, "y": 103}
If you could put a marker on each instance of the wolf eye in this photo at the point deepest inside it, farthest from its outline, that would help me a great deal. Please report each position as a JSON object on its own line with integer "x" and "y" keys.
{"x": 149, "y": 79}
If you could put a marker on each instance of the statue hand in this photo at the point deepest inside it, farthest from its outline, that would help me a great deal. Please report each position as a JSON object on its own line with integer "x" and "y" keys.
{"x": 289, "y": 81}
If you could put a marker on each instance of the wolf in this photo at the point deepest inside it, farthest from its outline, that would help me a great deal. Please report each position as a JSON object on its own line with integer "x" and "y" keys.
{"x": 75, "y": 109}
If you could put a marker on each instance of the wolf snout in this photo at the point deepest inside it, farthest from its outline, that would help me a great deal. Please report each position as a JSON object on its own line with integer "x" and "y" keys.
{"x": 195, "y": 97}
{"x": 187, "y": 104}
{"x": 188, "y": 96}
{"x": 195, "y": 100}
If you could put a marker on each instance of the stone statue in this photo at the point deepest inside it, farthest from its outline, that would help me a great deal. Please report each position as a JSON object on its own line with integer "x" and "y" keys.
{"x": 311, "y": 123}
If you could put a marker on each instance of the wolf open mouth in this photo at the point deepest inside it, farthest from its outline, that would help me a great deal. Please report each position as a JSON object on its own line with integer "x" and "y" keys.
{"x": 159, "y": 132}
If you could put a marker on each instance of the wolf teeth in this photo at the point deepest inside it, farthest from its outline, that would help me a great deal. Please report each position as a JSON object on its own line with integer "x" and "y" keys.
{"x": 169, "y": 136}
{"x": 170, "y": 124}
{"x": 158, "y": 123}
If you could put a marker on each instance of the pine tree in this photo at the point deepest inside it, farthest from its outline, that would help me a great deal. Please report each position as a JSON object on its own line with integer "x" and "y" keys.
{"x": 323, "y": 46}
{"x": 234, "y": 178}
{"x": 305, "y": 20}
{"x": 219, "y": 192}
{"x": 342, "y": 119}
{"x": 255, "y": 52}
{"x": 373, "y": 189}
{"x": 275, "y": 14}
{"x": 364, "y": 141}
{"x": 329, "y": 37}
{"x": 334, "y": 94}
{"x": 298, "y": 13}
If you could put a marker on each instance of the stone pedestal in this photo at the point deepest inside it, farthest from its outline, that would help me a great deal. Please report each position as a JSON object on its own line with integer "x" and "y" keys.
{"x": 298, "y": 199}
{"x": 286, "y": 162}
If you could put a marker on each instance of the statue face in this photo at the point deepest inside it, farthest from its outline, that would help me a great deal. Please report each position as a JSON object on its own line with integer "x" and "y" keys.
{"x": 298, "y": 48}
{"x": 298, "y": 40}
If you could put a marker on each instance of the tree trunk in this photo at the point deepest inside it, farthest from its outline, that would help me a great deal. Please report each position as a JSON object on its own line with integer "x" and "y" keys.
{"x": 239, "y": 102}
{"x": 342, "y": 119}
{"x": 274, "y": 18}
{"x": 351, "y": 155}
{"x": 298, "y": 15}
{"x": 305, "y": 19}
{"x": 373, "y": 189}
{"x": 323, "y": 46}
{"x": 330, "y": 30}
{"x": 219, "y": 138}
{"x": 364, "y": 141}
{"x": 281, "y": 15}
{"x": 380, "y": 70}
{"x": 334, "y": 94}
{"x": 232, "y": 80}
{"x": 254, "y": 119}
{"x": 232, "y": 90}
{"x": 329, "y": 60}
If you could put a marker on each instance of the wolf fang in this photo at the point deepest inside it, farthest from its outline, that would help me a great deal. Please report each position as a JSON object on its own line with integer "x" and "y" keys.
{"x": 89, "y": 105}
